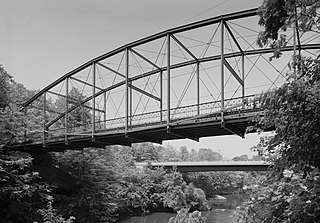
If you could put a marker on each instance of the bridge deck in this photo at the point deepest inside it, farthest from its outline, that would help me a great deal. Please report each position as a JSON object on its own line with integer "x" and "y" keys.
{"x": 235, "y": 122}
{"x": 211, "y": 166}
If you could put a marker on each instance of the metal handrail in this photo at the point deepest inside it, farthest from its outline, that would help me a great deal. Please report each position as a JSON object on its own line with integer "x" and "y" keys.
{"x": 181, "y": 115}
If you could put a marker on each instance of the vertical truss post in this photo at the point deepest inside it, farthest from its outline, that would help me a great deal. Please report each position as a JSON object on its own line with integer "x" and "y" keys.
{"x": 222, "y": 70}
{"x": 66, "y": 112}
{"x": 294, "y": 48}
{"x": 243, "y": 77}
{"x": 161, "y": 96}
{"x": 44, "y": 136}
{"x": 198, "y": 88}
{"x": 127, "y": 91}
{"x": 105, "y": 110}
{"x": 130, "y": 105}
{"x": 93, "y": 117}
{"x": 168, "y": 80}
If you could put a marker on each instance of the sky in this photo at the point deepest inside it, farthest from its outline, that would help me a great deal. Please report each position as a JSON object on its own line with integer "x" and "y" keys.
{"x": 42, "y": 40}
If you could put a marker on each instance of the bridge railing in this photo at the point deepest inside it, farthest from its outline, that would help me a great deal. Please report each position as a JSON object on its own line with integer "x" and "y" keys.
{"x": 208, "y": 110}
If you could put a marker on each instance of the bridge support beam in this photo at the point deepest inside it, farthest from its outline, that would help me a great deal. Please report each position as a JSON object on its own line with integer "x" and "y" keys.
{"x": 44, "y": 136}
{"x": 233, "y": 130}
{"x": 243, "y": 79}
{"x": 161, "y": 96}
{"x": 127, "y": 90}
{"x": 222, "y": 70}
{"x": 105, "y": 110}
{"x": 182, "y": 135}
{"x": 66, "y": 112}
{"x": 93, "y": 126}
{"x": 198, "y": 88}
{"x": 143, "y": 138}
{"x": 168, "y": 81}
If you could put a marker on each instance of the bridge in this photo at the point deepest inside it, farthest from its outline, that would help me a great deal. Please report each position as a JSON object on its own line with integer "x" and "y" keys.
{"x": 186, "y": 167}
{"x": 196, "y": 80}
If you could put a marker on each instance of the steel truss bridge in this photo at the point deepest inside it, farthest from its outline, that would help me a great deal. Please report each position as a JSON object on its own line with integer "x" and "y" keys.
{"x": 196, "y": 80}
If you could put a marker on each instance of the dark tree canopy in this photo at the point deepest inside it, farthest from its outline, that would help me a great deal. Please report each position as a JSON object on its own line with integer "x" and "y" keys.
{"x": 279, "y": 15}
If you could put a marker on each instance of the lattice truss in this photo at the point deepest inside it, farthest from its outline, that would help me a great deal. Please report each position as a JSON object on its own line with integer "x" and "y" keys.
{"x": 204, "y": 67}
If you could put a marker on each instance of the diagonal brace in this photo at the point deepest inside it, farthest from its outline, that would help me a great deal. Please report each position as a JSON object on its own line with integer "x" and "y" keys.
{"x": 112, "y": 70}
{"x": 74, "y": 101}
{"x": 144, "y": 92}
{"x": 144, "y": 58}
{"x": 184, "y": 47}
{"x": 232, "y": 71}
{"x": 233, "y": 37}
{"x": 86, "y": 83}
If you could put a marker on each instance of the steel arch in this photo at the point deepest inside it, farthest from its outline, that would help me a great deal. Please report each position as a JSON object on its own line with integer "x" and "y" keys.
{"x": 135, "y": 64}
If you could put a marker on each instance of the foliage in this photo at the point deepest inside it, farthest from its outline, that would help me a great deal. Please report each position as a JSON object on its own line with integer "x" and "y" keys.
{"x": 93, "y": 196}
{"x": 279, "y": 15}
{"x": 183, "y": 153}
{"x": 291, "y": 191}
{"x": 294, "y": 197}
{"x": 217, "y": 182}
{"x": 183, "y": 216}
{"x": 80, "y": 115}
{"x": 168, "y": 154}
{"x": 50, "y": 214}
{"x": 21, "y": 193}
{"x": 171, "y": 154}
{"x": 5, "y": 84}
{"x": 12, "y": 125}
{"x": 144, "y": 152}
{"x": 109, "y": 185}
{"x": 241, "y": 158}
{"x": 294, "y": 110}
{"x": 207, "y": 154}
{"x": 178, "y": 194}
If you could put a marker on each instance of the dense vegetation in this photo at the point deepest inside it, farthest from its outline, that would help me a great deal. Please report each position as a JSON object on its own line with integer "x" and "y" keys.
{"x": 291, "y": 193}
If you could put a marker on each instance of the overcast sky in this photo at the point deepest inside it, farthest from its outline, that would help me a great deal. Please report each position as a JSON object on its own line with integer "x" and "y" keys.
{"x": 43, "y": 39}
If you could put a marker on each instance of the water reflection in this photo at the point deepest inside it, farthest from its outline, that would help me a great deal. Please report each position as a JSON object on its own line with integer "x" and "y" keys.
{"x": 222, "y": 212}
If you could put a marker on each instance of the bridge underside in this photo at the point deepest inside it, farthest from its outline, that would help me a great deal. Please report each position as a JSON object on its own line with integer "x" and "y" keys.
{"x": 193, "y": 130}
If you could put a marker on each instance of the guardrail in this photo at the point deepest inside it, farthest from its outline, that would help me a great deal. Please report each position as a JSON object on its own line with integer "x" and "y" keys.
{"x": 184, "y": 114}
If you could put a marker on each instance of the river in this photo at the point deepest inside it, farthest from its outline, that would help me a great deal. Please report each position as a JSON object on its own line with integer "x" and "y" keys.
{"x": 222, "y": 212}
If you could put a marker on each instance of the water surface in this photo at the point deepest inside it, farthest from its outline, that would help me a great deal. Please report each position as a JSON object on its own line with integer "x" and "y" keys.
{"x": 223, "y": 213}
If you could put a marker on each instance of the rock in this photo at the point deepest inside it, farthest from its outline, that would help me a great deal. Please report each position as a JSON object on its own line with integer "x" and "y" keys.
{"x": 219, "y": 197}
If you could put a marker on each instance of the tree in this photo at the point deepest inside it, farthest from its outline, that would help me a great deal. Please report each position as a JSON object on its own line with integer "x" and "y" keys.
{"x": 21, "y": 192}
{"x": 5, "y": 84}
{"x": 183, "y": 153}
{"x": 207, "y": 154}
{"x": 79, "y": 116}
{"x": 291, "y": 191}
{"x": 168, "y": 154}
{"x": 193, "y": 155}
{"x": 278, "y": 15}
{"x": 96, "y": 192}
{"x": 145, "y": 152}
{"x": 241, "y": 158}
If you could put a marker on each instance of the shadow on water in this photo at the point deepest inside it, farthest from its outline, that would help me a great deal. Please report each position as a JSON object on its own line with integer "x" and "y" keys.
{"x": 222, "y": 212}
